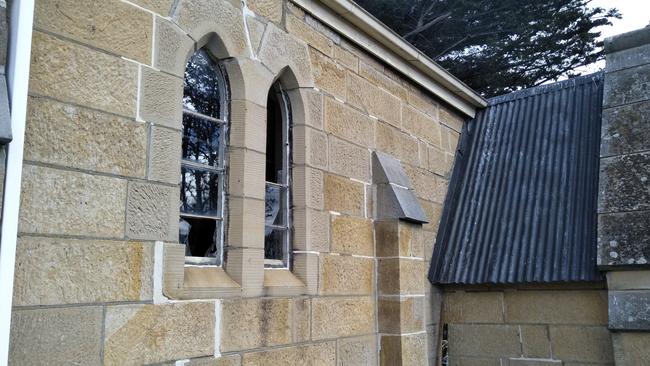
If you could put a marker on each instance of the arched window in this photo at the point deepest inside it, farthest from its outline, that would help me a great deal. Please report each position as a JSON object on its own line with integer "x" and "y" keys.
{"x": 277, "y": 234}
{"x": 203, "y": 164}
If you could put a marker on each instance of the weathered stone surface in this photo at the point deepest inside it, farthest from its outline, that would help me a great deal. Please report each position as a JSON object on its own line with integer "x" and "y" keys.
{"x": 535, "y": 341}
{"x": 380, "y": 79}
{"x": 224, "y": 18}
{"x": 346, "y": 275}
{"x": 393, "y": 238}
{"x": 311, "y": 230}
{"x": 248, "y": 125}
{"x": 631, "y": 348}
{"x": 401, "y": 276}
{"x": 270, "y": 9}
{"x": 627, "y": 86}
{"x": 343, "y": 195}
{"x": 246, "y": 222}
{"x": 628, "y": 280}
{"x": 161, "y": 7}
{"x": 151, "y": 212}
{"x": 71, "y": 203}
{"x": 161, "y": 98}
{"x": 449, "y": 140}
{"x": 423, "y": 102}
{"x": 244, "y": 178}
{"x": 256, "y": 31}
{"x": 349, "y": 160}
{"x": 629, "y": 310}
{"x": 578, "y": 307}
{"x": 301, "y": 318}
{"x": 164, "y": 153}
{"x": 624, "y": 239}
{"x": 163, "y": 332}
{"x": 348, "y": 123}
{"x": 308, "y": 187}
{"x": 70, "y": 72}
{"x": 300, "y": 29}
{"x": 421, "y": 125}
{"x": 628, "y": 58}
{"x": 352, "y": 235}
{"x": 623, "y": 184}
{"x": 112, "y": 25}
{"x": 280, "y": 49}
{"x": 63, "y": 336}
{"x": 406, "y": 350}
{"x": 433, "y": 212}
{"x": 401, "y": 314}
{"x": 625, "y": 129}
{"x": 373, "y": 100}
{"x": 394, "y": 142}
{"x": 310, "y": 147}
{"x": 319, "y": 354}
{"x": 357, "y": 351}
{"x": 427, "y": 186}
{"x": 483, "y": 340}
{"x": 229, "y": 360}
{"x": 346, "y": 58}
{"x": 253, "y": 323}
{"x": 53, "y": 271}
{"x": 81, "y": 138}
{"x": 334, "y": 317}
{"x": 328, "y": 75}
{"x": 450, "y": 119}
{"x": 312, "y": 100}
{"x": 583, "y": 344}
{"x": 172, "y": 47}
{"x": 473, "y": 307}
{"x": 439, "y": 162}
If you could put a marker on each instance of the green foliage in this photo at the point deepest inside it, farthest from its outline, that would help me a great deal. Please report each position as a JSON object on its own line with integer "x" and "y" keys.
{"x": 498, "y": 46}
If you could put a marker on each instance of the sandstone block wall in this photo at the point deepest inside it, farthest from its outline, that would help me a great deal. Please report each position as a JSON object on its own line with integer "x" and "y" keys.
{"x": 552, "y": 325}
{"x": 102, "y": 156}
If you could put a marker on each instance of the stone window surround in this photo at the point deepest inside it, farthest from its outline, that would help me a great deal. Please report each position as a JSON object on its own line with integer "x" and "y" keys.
{"x": 250, "y": 79}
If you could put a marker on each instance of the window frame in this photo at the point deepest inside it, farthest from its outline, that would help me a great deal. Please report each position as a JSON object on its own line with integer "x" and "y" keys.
{"x": 222, "y": 167}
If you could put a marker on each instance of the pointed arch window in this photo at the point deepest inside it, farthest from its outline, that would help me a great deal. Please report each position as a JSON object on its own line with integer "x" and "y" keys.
{"x": 203, "y": 164}
{"x": 277, "y": 234}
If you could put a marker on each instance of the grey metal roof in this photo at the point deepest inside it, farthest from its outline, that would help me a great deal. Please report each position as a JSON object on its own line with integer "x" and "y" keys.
{"x": 521, "y": 206}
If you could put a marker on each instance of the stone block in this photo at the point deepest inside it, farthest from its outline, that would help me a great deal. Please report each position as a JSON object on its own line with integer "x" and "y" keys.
{"x": 244, "y": 267}
{"x": 472, "y": 307}
{"x": 112, "y": 25}
{"x": 349, "y": 160}
{"x": 307, "y": 187}
{"x": 346, "y": 58}
{"x": 280, "y": 49}
{"x": 401, "y": 276}
{"x": 245, "y": 179}
{"x": 248, "y": 125}
{"x": 52, "y": 271}
{"x": 394, "y": 142}
{"x": 449, "y": 140}
{"x": 164, "y": 155}
{"x": 373, "y": 100}
{"x": 270, "y": 9}
{"x": 439, "y": 161}
{"x": 352, "y": 235}
{"x": 311, "y": 230}
{"x": 161, "y": 98}
{"x": 627, "y": 86}
{"x": 483, "y": 340}
{"x": 250, "y": 80}
{"x": 328, "y": 75}
{"x": 629, "y": 310}
{"x": 346, "y": 275}
{"x": 623, "y": 239}
{"x": 433, "y": 302}
{"x": 305, "y": 268}
{"x": 426, "y": 185}
{"x": 535, "y": 341}
{"x": 172, "y": 47}
{"x": 200, "y": 18}
{"x": 318, "y": 354}
{"x": 433, "y": 212}
{"x": 163, "y": 332}
{"x": 394, "y": 238}
{"x": 450, "y": 119}
{"x": 399, "y": 314}
{"x": 433, "y": 343}
{"x": 628, "y": 58}
{"x": 556, "y": 307}
{"x": 311, "y": 113}
{"x": 73, "y": 73}
{"x": 357, "y": 351}
{"x": 582, "y": 344}
{"x": 623, "y": 183}
{"x": 311, "y": 36}
{"x": 348, "y": 123}
{"x": 229, "y": 360}
{"x": 256, "y": 28}
{"x": 161, "y": 7}
{"x": 86, "y": 139}
{"x": 628, "y": 280}
{"x": 310, "y": 147}
{"x": 379, "y": 78}
{"x": 152, "y": 212}
{"x": 625, "y": 129}
{"x": 60, "y": 336}
{"x": 421, "y": 125}
{"x": 475, "y": 361}
{"x": 423, "y": 101}
{"x": 300, "y": 319}
{"x": 344, "y": 195}
{"x": 253, "y": 323}
{"x": 245, "y": 223}
{"x": 631, "y": 348}
{"x": 71, "y": 203}
{"x": 406, "y": 350}
{"x": 335, "y": 317}
{"x": 426, "y": 240}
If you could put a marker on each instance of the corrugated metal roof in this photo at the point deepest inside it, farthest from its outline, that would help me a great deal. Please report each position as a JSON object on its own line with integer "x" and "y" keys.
{"x": 521, "y": 206}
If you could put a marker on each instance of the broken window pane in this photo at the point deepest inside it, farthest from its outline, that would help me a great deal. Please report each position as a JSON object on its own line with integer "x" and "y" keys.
{"x": 201, "y": 139}
{"x": 199, "y": 236}
{"x": 203, "y": 85}
{"x": 275, "y": 205}
{"x": 199, "y": 192}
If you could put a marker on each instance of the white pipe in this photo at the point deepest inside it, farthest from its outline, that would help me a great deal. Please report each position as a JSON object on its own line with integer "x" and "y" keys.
{"x": 19, "y": 54}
